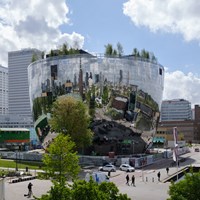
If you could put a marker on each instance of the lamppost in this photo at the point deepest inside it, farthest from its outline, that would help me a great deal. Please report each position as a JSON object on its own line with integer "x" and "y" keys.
{"x": 133, "y": 145}
{"x": 16, "y": 167}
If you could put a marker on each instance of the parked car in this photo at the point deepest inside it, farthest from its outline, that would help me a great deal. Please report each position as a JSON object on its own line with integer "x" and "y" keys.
{"x": 108, "y": 168}
{"x": 127, "y": 168}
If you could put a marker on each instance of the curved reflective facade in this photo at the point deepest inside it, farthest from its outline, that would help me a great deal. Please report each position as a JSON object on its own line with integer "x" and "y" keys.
{"x": 123, "y": 71}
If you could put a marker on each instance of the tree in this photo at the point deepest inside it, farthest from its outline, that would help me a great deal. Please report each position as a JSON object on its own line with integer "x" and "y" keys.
{"x": 108, "y": 49}
{"x": 119, "y": 49}
{"x": 105, "y": 95}
{"x": 153, "y": 58}
{"x": 34, "y": 57}
{"x": 86, "y": 191}
{"x": 114, "y": 52}
{"x": 61, "y": 161}
{"x": 71, "y": 117}
{"x": 145, "y": 54}
{"x": 135, "y": 51}
{"x": 64, "y": 49}
{"x": 186, "y": 189}
{"x": 94, "y": 191}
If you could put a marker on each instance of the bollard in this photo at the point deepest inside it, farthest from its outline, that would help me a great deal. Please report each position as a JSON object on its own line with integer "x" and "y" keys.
{"x": 146, "y": 179}
{"x": 153, "y": 179}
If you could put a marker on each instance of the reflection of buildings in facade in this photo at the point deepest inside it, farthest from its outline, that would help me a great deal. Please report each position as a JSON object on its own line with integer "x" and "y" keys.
{"x": 188, "y": 130}
{"x": 185, "y": 130}
{"x": 17, "y": 121}
{"x": 176, "y": 110}
{"x": 3, "y": 90}
{"x": 49, "y": 75}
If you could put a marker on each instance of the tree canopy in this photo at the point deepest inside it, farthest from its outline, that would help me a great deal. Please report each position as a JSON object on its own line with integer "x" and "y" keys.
{"x": 85, "y": 191}
{"x": 71, "y": 117}
{"x": 186, "y": 189}
{"x": 110, "y": 51}
{"x": 61, "y": 160}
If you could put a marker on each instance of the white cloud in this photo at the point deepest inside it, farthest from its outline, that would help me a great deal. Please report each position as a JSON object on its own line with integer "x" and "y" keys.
{"x": 182, "y": 86}
{"x": 34, "y": 24}
{"x": 174, "y": 16}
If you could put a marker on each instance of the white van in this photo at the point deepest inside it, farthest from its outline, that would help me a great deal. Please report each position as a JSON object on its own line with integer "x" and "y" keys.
{"x": 98, "y": 177}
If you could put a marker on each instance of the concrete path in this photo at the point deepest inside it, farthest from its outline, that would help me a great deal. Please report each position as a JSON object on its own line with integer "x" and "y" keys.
{"x": 147, "y": 184}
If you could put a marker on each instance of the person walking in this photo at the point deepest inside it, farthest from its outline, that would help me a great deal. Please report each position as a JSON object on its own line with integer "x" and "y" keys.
{"x": 133, "y": 180}
{"x": 109, "y": 173}
{"x": 158, "y": 174}
{"x": 30, "y": 190}
{"x": 167, "y": 170}
{"x": 127, "y": 179}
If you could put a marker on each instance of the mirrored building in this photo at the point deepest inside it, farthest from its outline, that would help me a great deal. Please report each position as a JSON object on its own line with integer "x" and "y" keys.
{"x": 45, "y": 74}
{"x": 55, "y": 76}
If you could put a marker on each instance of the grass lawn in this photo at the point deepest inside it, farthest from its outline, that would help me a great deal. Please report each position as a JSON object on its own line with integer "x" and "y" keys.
{"x": 20, "y": 164}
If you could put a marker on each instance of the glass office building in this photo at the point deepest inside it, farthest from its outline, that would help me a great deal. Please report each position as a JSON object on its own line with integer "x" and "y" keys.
{"x": 46, "y": 75}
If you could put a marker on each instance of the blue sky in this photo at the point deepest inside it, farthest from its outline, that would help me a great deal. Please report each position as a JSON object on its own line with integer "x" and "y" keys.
{"x": 170, "y": 29}
{"x": 103, "y": 22}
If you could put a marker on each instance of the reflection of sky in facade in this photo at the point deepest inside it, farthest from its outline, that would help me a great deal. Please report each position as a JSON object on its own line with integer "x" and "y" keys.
{"x": 146, "y": 75}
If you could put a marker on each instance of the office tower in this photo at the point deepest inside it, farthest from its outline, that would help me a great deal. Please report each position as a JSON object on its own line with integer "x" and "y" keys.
{"x": 18, "y": 96}
{"x": 176, "y": 110}
{"x": 3, "y": 90}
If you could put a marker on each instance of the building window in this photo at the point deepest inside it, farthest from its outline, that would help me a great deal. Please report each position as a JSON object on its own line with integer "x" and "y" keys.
{"x": 160, "y": 71}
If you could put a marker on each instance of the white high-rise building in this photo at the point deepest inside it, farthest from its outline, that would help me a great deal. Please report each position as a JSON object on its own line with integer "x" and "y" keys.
{"x": 176, "y": 110}
{"x": 18, "y": 96}
{"x": 3, "y": 90}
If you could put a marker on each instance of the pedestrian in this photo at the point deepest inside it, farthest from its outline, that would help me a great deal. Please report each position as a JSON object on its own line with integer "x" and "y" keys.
{"x": 30, "y": 190}
{"x": 133, "y": 180}
{"x": 127, "y": 179}
{"x": 109, "y": 172}
{"x": 158, "y": 174}
{"x": 167, "y": 170}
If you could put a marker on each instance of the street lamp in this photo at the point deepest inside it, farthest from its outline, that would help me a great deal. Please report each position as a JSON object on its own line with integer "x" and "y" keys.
{"x": 16, "y": 167}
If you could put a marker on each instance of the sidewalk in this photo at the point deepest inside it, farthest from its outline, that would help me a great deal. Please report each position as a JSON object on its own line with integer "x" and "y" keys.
{"x": 147, "y": 184}
{"x": 150, "y": 172}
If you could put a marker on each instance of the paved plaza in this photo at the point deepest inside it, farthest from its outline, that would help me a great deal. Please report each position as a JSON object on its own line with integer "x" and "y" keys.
{"x": 147, "y": 184}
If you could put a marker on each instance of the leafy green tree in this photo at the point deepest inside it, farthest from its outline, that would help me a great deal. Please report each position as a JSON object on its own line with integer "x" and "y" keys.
{"x": 135, "y": 51}
{"x": 119, "y": 49}
{"x": 108, "y": 49}
{"x": 71, "y": 117}
{"x": 94, "y": 191}
{"x": 144, "y": 54}
{"x": 57, "y": 192}
{"x": 42, "y": 55}
{"x": 114, "y": 52}
{"x": 86, "y": 191}
{"x": 64, "y": 49}
{"x": 154, "y": 59}
{"x": 51, "y": 53}
{"x": 61, "y": 161}
{"x": 105, "y": 94}
{"x": 34, "y": 57}
{"x": 186, "y": 189}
